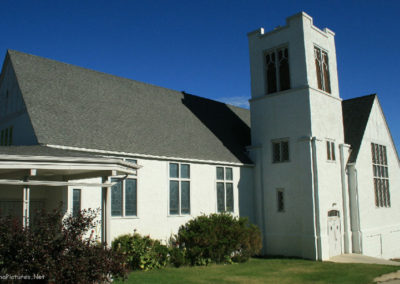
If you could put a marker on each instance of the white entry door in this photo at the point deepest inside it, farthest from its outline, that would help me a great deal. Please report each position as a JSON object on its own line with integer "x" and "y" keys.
{"x": 335, "y": 236}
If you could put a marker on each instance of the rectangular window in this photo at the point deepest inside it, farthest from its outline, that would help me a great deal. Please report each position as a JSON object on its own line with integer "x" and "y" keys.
{"x": 330, "y": 149}
{"x": 225, "y": 190}
{"x": 280, "y": 151}
{"x": 7, "y": 136}
{"x": 130, "y": 197}
{"x": 322, "y": 69}
{"x": 179, "y": 189}
{"x": 277, "y": 70}
{"x": 381, "y": 175}
{"x": 10, "y": 136}
{"x": 124, "y": 195}
{"x": 76, "y": 202}
{"x": 116, "y": 197}
{"x": 280, "y": 200}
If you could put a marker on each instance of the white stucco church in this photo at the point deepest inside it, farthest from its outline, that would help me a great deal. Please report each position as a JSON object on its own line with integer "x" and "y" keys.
{"x": 319, "y": 175}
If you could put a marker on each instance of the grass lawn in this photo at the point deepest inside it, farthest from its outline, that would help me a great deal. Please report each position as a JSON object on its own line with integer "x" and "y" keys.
{"x": 266, "y": 271}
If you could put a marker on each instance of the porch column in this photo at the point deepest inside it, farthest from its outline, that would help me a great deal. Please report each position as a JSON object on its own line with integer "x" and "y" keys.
{"x": 105, "y": 213}
{"x": 25, "y": 206}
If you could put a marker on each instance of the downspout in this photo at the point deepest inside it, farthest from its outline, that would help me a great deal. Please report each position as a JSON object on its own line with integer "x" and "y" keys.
{"x": 345, "y": 201}
{"x": 317, "y": 233}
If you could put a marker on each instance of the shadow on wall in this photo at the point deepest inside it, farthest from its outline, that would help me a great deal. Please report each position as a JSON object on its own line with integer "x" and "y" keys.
{"x": 225, "y": 123}
{"x": 246, "y": 194}
{"x": 231, "y": 126}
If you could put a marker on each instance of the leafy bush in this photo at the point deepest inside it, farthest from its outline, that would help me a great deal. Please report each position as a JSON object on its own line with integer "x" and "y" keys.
{"x": 177, "y": 256}
{"x": 219, "y": 238}
{"x": 142, "y": 252}
{"x": 57, "y": 249}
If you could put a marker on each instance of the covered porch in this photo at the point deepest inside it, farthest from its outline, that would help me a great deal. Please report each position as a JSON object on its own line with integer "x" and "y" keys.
{"x": 35, "y": 177}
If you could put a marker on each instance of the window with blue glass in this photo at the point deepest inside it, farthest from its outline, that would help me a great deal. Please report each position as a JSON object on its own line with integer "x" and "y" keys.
{"x": 224, "y": 189}
{"x": 179, "y": 189}
{"x": 76, "y": 201}
{"x": 124, "y": 195}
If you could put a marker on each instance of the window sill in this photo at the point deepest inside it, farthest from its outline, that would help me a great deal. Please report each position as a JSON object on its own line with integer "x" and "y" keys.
{"x": 179, "y": 215}
{"x": 124, "y": 217}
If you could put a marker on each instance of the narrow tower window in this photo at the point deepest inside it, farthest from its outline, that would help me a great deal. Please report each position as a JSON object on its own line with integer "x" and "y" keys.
{"x": 322, "y": 69}
{"x": 283, "y": 57}
{"x": 277, "y": 70}
{"x": 271, "y": 73}
{"x": 280, "y": 200}
{"x": 330, "y": 147}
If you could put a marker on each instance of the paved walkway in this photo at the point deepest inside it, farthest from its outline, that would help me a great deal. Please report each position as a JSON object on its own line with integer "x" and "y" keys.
{"x": 390, "y": 278}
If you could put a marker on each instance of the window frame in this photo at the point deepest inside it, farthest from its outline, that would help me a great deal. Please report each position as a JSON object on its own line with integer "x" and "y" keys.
{"x": 325, "y": 74}
{"x": 179, "y": 180}
{"x": 330, "y": 150}
{"x": 380, "y": 175}
{"x": 279, "y": 209}
{"x": 280, "y": 142}
{"x": 80, "y": 201}
{"x": 123, "y": 179}
{"x": 7, "y": 136}
{"x": 275, "y": 52}
{"x": 225, "y": 181}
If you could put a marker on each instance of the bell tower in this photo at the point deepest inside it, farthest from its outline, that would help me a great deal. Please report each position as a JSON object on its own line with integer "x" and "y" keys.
{"x": 297, "y": 137}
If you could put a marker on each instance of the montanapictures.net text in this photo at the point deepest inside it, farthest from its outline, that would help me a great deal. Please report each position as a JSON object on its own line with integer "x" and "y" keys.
{"x": 21, "y": 277}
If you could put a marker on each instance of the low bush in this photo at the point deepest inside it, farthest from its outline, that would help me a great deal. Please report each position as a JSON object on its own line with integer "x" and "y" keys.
{"x": 142, "y": 252}
{"x": 219, "y": 238}
{"x": 57, "y": 249}
{"x": 177, "y": 256}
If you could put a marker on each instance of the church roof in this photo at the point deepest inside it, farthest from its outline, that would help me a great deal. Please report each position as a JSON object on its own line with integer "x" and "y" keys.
{"x": 78, "y": 107}
{"x": 355, "y": 118}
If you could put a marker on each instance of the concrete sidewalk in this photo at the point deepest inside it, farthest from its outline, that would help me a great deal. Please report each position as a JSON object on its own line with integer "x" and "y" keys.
{"x": 359, "y": 258}
{"x": 390, "y": 278}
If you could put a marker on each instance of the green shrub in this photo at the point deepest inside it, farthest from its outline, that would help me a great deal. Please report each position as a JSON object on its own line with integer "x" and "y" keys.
{"x": 57, "y": 249}
{"x": 142, "y": 252}
{"x": 219, "y": 238}
{"x": 177, "y": 256}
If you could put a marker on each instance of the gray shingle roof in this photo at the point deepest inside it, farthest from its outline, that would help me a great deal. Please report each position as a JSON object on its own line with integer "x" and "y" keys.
{"x": 355, "y": 118}
{"x": 74, "y": 106}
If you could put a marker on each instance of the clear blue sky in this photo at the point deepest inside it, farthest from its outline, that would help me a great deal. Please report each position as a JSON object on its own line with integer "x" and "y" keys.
{"x": 201, "y": 46}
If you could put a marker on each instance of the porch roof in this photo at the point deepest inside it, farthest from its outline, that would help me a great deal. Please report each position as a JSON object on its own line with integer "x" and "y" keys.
{"x": 45, "y": 166}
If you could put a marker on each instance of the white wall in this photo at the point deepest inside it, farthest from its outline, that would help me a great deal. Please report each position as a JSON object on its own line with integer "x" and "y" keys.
{"x": 274, "y": 117}
{"x": 296, "y": 114}
{"x": 153, "y": 198}
{"x": 380, "y": 226}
